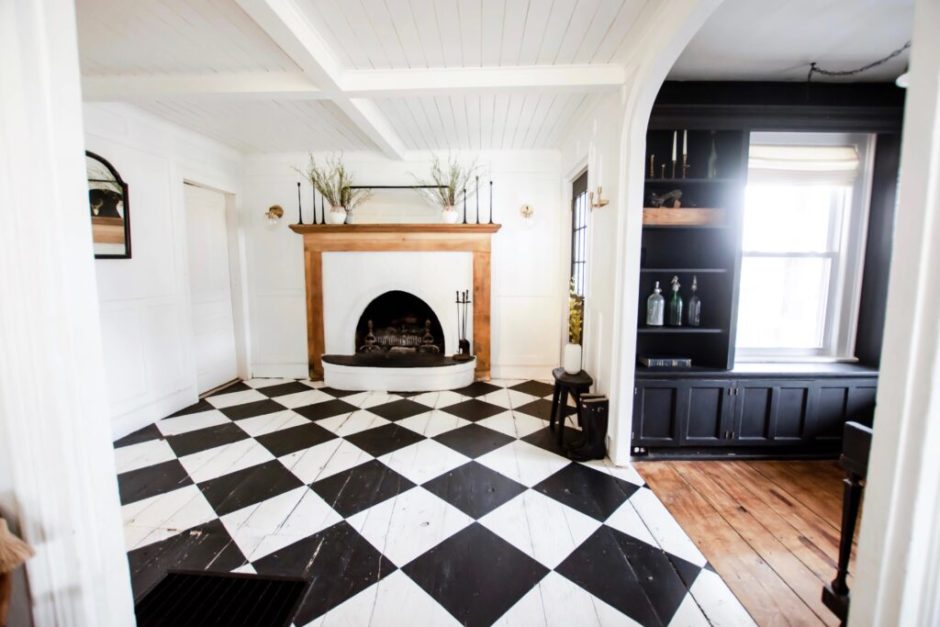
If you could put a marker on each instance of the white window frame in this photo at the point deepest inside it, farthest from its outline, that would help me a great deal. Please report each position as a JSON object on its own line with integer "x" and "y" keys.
{"x": 847, "y": 264}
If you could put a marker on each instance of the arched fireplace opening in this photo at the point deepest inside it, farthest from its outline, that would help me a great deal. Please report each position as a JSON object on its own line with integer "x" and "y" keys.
{"x": 398, "y": 322}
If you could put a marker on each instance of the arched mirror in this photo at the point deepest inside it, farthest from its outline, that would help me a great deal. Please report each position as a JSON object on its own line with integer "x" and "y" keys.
{"x": 108, "y": 203}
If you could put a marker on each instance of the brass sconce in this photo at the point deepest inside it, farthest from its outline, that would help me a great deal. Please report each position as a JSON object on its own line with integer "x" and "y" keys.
{"x": 601, "y": 201}
{"x": 526, "y": 211}
{"x": 274, "y": 214}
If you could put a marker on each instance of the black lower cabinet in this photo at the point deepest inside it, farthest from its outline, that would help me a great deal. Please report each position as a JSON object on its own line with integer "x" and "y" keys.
{"x": 798, "y": 416}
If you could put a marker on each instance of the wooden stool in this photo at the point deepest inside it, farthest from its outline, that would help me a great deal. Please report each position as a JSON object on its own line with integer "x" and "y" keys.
{"x": 574, "y": 384}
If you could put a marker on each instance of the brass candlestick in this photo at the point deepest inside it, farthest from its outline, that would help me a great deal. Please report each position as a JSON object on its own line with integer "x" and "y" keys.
{"x": 662, "y": 171}
{"x": 652, "y": 166}
{"x": 673, "y": 168}
{"x": 685, "y": 165}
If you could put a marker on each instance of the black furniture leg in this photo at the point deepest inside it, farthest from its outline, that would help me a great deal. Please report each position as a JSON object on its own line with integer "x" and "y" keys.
{"x": 555, "y": 393}
{"x": 562, "y": 404}
{"x": 836, "y": 594}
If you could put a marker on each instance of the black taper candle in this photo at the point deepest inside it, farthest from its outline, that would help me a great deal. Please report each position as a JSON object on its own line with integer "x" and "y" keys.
{"x": 300, "y": 214}
{"x": 322, "y": 210}
{"x": 464, "y": 205}
{"x": 477, "y": 194}
{"x": 313, "y": 201}
{"x": 491, "y": 202}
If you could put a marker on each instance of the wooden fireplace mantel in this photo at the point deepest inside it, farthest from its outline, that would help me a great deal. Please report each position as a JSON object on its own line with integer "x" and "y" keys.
{"x": 472, "y": 238}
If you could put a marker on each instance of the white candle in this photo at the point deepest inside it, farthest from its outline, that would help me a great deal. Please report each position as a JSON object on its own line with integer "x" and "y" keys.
{"x": 674, "y": 135}
{"x": 685, "y": 143}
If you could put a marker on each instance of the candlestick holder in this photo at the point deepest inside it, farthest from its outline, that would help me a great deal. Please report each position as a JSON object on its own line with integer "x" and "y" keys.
{"x": 685, "y": 166}
{"x": 673, "y": 168}
{"x": 652, "y": 166}
{"x": 662, "y": 170}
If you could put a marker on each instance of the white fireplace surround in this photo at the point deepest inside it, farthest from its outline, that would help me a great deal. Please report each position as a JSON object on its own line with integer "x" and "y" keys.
{"x": 351, "y": 280}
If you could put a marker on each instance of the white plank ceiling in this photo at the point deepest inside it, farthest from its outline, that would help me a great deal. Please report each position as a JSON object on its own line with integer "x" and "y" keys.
{"x": 376, "y": 34}
{"x": 159, "y": 53}
{"x": 172, "y": 36}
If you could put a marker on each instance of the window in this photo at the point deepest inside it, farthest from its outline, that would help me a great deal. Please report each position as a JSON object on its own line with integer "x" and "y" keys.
{"x": 579, "y": 214}
{"x": 805, "y": 213}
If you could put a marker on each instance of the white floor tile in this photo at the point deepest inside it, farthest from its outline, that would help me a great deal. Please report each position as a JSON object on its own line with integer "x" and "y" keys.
{"x": 423, "y": 461}
{"x": 191, "y": 422}
{"x": 627, "y": 520}
{"x": 226, "y": 459}
{"x": 302, "y": 399}
{"x": 246, "y": 569}
{"x": 264, "y": 382}
{"x": 540, "y": 526}
{"x": 235, "y": 398}
{"x": 179, "y": 509}
{"x": 669, "y": 535}
{"x": 516, "y": 424}
{"x": 323, "y": 460}
{"x": 269, "y": 423}
{"x": 688, "y": 614}
{"x": 718, "y": 603}
{"x": 433, "y": 423}
{"x": 141, "y": 455}
{"x": 348, "y": 424}
{"x": 406, "y": 526}
{"x": 627, "y": 473}
{"x": 523, "y": 462}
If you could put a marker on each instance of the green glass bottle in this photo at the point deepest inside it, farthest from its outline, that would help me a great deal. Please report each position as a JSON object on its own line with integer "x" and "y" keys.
{"x": 675, "y": 305}
{"x": 695, "y": 305}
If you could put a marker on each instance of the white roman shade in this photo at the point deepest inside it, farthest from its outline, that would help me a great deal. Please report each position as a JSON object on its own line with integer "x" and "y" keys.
{"x": 825, "y": 165}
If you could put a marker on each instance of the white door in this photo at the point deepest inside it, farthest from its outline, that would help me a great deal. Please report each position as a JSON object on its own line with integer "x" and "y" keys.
{"x": 210, "y": 289}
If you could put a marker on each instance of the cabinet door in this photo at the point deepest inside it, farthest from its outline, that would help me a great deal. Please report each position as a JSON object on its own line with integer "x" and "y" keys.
{"x": 838, "y": 400}
{"x": 655, "y": 413}
{"x": 791, "y": 411}
{"x": 708, "y": 412}
{"x": 770, "y": 412}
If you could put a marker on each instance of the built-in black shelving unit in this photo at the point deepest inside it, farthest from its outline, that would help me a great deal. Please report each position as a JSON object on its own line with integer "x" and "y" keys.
{"x": 708, "y": 248}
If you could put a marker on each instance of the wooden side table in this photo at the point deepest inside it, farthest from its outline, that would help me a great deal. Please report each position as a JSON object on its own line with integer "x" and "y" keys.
{"x": 565, "y": 384}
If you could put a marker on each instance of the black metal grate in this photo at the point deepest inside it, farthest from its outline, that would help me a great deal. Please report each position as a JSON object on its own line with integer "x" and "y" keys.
{"x": 198, "y": 598}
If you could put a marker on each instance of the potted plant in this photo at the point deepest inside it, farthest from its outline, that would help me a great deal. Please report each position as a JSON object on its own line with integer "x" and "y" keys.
{"x": 449, "y": 180}
{"x": 571, "y": 359}
{"x": 334, "y": 183}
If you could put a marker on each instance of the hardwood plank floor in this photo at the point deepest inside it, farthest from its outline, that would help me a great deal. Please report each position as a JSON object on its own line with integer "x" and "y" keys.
{"x": 770, "y": 529}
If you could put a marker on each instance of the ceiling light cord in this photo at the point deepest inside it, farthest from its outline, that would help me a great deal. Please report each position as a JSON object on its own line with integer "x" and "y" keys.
{"x": 814, "y": 69}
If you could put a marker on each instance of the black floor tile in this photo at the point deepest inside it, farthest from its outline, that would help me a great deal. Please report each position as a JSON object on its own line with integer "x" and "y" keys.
{"x": 283, "y": 389}
{"x": 535, "y": 388}
{"x": 473, "y": 440}
{"x": 337, "y": 393}
{"x": 399, "y": 410}
{"x": 548, "y": 439}
{"x": 589, "y": 491}
{"x": 205, "y": 547}
{"x": 478, "y": 388}
{"x": 204, "y": 439}
{"x": 326, "y": 409}
{"x": 294, "y": 439}
{"x": 542, "y": 408}
{"x": 140, "y": 484}
{"x": 646, "y": 587}
{"x": 337, "y": 561}
{"x": 354, "y": 490}
{"x": 202, "y": 405}
{"x": 384, "y": 439}
{"x": 150, "y": 432}
{"x": 242, "y": 488}
{"x": 241, "y": 386}
{"x": 474, "y": 489}
{"x": 474, "y": 409}
{"x": 476, "y": 575}
{"x": 250, "y": 410}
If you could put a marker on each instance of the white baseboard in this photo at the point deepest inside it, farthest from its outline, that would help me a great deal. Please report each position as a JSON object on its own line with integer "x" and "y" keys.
{"x": 151, "y": 412}
{"x": 280, "y": 371}
{"x": 541, "y": 372}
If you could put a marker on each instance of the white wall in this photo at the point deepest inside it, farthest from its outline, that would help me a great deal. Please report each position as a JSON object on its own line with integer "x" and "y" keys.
{"x": 144, "y": 301}
{"x": 529, "y": 272}
{"x": 594, "y": 142}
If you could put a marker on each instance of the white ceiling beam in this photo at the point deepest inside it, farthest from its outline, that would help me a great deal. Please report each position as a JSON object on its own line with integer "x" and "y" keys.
{"x": 279, "y": 85}
{"x": 286, "y": 24}
{"x": 435, "y": 81}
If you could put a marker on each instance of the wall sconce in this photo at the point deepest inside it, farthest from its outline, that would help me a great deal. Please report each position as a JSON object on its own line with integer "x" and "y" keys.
{"x": 526, "y": 211}
{"x": 601, "y": 201}
{"x": 274, "y": 214}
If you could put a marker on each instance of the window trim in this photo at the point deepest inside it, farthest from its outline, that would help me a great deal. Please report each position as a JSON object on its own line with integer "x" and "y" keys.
{"x": 846, "y": 269}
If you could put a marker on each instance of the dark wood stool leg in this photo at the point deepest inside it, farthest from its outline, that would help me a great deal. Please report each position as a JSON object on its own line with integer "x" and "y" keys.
{"x": 562, "y": 403}
{"x": 555, "y": 392}
{"x": 836, "y": 594}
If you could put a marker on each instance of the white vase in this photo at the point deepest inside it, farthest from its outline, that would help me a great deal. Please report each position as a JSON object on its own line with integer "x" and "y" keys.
{"x": 571, "y": 358}
{"x": 336, "y": 215}
{"x": 449, "y": 215}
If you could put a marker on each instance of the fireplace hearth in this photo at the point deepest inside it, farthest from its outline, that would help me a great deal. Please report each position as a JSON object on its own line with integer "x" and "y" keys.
{"x": 399, "y": 323}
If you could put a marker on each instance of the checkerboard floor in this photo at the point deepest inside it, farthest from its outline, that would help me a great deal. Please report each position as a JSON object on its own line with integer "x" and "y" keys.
{"x": 440, "y": 508}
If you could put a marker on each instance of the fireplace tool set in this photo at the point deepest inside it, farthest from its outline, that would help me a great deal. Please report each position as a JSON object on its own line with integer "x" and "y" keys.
{"x": 463, "y": 345}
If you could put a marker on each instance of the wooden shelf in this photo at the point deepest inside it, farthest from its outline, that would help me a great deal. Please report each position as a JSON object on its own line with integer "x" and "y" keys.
{"x": 686, "y": 217}
{"x": 670, "y": 181}
{"x": 684, "y": 270}
{"x": 665, "y": 330}
{"x": 395, "y": 228}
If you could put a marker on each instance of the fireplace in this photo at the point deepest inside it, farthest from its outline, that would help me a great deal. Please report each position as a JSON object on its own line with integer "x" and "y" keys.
{"x": 399, "y": 323}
